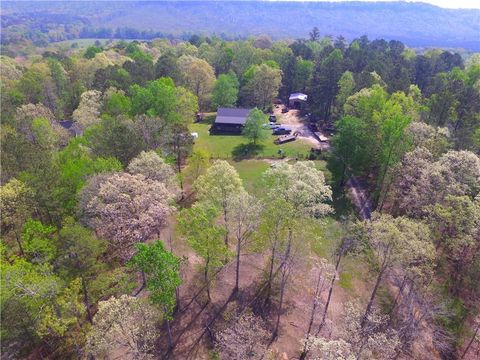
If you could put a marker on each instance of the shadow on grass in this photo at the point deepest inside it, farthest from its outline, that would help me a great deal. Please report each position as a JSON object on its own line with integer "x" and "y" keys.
{"x": 246, "y": 151}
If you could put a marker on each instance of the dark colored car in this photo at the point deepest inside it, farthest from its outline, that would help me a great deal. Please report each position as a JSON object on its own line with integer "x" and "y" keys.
{"x": 284, "y": 110}
{"x": 281, "y": 131}
{"x": 272, "y": 118}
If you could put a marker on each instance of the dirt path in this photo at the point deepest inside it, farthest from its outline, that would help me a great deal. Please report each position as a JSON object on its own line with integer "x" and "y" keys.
{"x": 360, "y": 198}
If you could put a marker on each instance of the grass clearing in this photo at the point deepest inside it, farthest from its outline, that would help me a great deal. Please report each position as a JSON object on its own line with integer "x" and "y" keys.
{"x": 222, "y": 146}
{"x": 251, "y": 172}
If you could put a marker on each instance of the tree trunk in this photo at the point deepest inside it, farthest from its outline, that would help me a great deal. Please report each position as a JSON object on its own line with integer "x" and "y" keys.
{"x": 282, "y": 292}
{"x": 169, "y": 331}
{"x": 225, "y": 217}
{"x": 330, "y": 290}
{"x": 395, "y": 302}
{"x": 86, "y": 301}
{"x": 374, "y": 293}
{"x": 303, "y": 355}
{"x": 177, "y": 299}
{"x": 270, "y": 275}
{"x": 207, "y": 282}
{"x": 237, "y": 274}
{"x": 283, "y": 283}
{"x": 19, "y": 242}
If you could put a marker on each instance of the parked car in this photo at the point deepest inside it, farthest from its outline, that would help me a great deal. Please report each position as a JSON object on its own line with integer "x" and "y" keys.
{"x": 272, "y": 118}
{"x": 284, "y": 110}
{"x": 271, "y": 125}
{"x": 281, "y": 131}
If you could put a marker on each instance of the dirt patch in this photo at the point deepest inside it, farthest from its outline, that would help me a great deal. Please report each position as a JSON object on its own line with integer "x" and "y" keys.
{"x": 299, "y": 125}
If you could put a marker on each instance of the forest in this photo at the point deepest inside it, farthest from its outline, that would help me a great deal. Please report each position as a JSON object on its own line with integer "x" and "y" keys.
{"x": 127, "y": 231}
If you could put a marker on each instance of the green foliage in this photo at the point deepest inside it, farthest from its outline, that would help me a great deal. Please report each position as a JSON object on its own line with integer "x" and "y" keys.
{"x": 162, "y": 270}
{"x": 162, "y": 98}
{"x": 91, "y": 51}
{"x": 117, "y": 104}
{"x": 351, "y": 145}
{"x": 76, "y": 163}
{"x": 225, "y": 91}
{"x": 79, "y": 251}
{"x": 253, "y": 129}
{"x": 198, "y": 225}
{"x": 115, "y": 137}
{"x": 39, "y": 242}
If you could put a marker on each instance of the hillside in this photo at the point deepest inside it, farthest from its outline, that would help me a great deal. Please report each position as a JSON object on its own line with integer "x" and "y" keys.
{"x": 416, "y": 24}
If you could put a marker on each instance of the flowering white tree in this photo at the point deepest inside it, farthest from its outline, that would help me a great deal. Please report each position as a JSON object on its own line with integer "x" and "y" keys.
{"x": 153, "y": 167}
{"x": 126, "y": 325}
{"x": 125, "y": 209}
{"x": 88, "y": 111}
{"x": 244, "y": 219}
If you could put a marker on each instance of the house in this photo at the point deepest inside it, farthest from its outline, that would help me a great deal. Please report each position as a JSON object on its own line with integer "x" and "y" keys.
{"x": 229, "y": 121}
{"x": 297, "y": 100}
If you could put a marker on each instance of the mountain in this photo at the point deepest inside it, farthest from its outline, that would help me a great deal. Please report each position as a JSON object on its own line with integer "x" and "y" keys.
{"x": 416, "y": 24}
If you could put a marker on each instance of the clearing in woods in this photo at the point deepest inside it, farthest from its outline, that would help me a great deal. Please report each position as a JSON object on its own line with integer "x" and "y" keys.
{"x": 194, "y": 325}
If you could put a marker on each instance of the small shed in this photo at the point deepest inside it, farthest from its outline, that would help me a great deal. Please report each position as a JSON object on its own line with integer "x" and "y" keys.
{"x": 230, "y": 121}
{"x": 297, "y": 100}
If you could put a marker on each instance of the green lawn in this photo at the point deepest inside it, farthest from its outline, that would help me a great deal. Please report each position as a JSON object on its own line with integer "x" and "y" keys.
{"x": 251, "y": 172}
{"x": 221, "y": 146}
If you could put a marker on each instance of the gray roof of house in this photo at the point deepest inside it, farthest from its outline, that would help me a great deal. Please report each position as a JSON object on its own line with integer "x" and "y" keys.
{"x": 232, "y": 116}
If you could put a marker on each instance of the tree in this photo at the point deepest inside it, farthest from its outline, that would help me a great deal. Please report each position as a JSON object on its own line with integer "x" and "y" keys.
{"x": 117, "y": 103}
{"x": 76, "y": 163}
{"x": 351, "y": 146}
{"x": 125, "y": 209}
{"x": 198, "y": 164}
{"x": 217, "y": 186}
{"x": 346, "y": 85}
{"x": 314, "y": 34}
{"x": 91, "y": 51}
{"x": 398, "y": 242}
{"x": 198, "y": 226}
{"x": 325, "y": 273}
{"x": 161, "y": 98}
{"x": 272, "y": 234}
{"x": 162, "y": 273}
{"x": 198, "y": 77}
{"x": 253, "y": 129}
{"x": 324, "y": 88}
{"x": 377, "y": 342}
{"x": 456, "y": 226}
{"x": 167, "y": 66}
{"x": 153, "y": 167}
{"x": 127, "y": 324}
{"x": 34, "y": 304}
{"x": 244, "y": 337}
{"x": 225, "y": 91}
{"x": 244, "y": 218}
{"x": 115, "y": 137}
{"x": 302, "y": 186}
{"x": 264, "y": 85}
{"x": 420, "y": 181}
{"x": 16, "y": 207}
{"x": 78, "y": 254}
{"x": 39, "y": 242}
{"x": 88, "y": 111}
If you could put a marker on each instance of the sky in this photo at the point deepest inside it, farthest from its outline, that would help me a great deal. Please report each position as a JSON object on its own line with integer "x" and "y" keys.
{"x": 451, "y": 4}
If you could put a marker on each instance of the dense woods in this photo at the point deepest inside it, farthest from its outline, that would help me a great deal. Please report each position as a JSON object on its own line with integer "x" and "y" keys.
{"x": 116, "y": 226}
